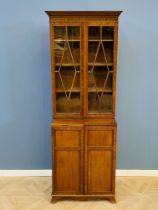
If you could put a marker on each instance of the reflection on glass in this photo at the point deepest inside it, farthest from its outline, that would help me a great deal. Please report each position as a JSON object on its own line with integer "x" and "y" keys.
{"x": 67, "y": 79}
{"x": 74, "y": 32}
{"x": 99, "y": 106}
{"x": 101, "y": 32}
{"x": 100, "y": 53}
{"x": 59, "y": 32}
{"x": 67, "y": 53}
{"x": 67, "y": 32}
{"x": 68, "y": 106}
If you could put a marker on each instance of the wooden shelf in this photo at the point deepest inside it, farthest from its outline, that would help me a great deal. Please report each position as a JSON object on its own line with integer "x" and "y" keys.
{"x": 90, "y": 90}
{"x": 69, "y": 71}
{"x": 93, "y": 90}
{"x": 74, "y": 90}
{"x": 102, "y": 111}
{"x": 97, "y": 40}
{"x": 89, "y": 64}
{"x": 100, "y": 71}
{"x": 100, "y": 64}
{"x": 67, "y": 64}
{"x": 69, "y": 40}
{"x": 78, "y": 40}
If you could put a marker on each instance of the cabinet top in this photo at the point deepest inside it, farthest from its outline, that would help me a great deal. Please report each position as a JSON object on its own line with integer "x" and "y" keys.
{"x": 84, "y": 13}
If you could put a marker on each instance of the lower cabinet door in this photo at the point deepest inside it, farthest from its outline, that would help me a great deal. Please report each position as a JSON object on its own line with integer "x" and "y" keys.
{"x": 100, "y": 159}
{"x": 67, "y": 160}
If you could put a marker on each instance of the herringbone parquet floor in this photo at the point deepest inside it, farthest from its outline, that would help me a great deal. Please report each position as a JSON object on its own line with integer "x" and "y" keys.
{"x": 34, "y": 193}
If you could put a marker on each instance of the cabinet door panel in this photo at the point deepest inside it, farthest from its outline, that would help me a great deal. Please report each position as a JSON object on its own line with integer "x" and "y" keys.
{"x": 103, "y": 138}
{"x": 101, "y": 50}
{"x": 100, "y": 159}
{"x": 67, "y": 159}
{"x": 67, "y": 66}
{"x": 67, "y": 138}
{"x": 99, "y": 171}
{"x": 100, "y": 68}
{"x": 67, "y": 171}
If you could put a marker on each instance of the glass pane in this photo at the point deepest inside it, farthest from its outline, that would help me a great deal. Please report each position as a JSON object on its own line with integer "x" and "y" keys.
{"x": 94, "y": 33}
{"x": 59, "y": 32}
{"x": 100, "y": 53}
{"x": 100, "y": 69}
{"x": 73, "y": 33}
{"x": 101, "y": 32}
{"x": 67, "y": 53}
{"x": 108, "y": 32}
{"x": 68, "y": 106}
{"x": 67, "y": 68}
{"x": 95, "y": 106}
{"x": 67, "y": 79}
{"x": 67, "y": 32}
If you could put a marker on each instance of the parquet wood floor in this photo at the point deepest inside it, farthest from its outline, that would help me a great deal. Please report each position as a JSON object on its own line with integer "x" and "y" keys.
{"x": 34, "y": 193}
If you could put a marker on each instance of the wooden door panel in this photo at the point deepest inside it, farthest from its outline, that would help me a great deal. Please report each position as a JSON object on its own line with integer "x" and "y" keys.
{"x": 100, "y": 138}
{"x": 67, "y": 171}
{"x": 99, "y": 171}
{"x": 67, "y": 138}
{"x": 100, "y": 146}
{"x": 67, "y": 159}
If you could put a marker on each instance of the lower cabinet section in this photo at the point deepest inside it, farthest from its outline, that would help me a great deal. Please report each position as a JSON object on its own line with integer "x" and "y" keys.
{"x": 83, "y": 161}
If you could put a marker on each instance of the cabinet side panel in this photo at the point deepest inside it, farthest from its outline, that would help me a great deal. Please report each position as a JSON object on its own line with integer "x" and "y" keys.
{"x": 115, "y": 66}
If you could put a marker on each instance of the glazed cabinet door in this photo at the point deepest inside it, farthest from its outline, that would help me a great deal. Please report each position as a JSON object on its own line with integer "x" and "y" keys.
{"x": 66, "y": 57}
{"x": 100, "y": 159}
{"x": 101, "y": 50}
{"x": 67, "y": 159}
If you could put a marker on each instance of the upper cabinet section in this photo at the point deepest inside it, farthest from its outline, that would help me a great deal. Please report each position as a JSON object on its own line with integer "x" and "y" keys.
{"x": 83, "y": 61}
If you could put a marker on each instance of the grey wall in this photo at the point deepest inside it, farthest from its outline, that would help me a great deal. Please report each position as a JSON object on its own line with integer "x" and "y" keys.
{"x": 25, "y": 85}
